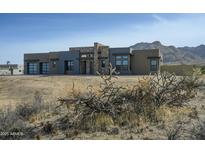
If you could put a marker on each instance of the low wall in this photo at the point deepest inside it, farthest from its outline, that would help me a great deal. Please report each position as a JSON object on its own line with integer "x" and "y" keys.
{"x": 177, "y": 69}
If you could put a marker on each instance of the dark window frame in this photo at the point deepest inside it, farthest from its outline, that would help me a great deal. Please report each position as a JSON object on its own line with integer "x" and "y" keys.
{"x": 153, "y": 67}
{"x": 70, "y": 65}
{"x": 45, "y": 68}
{"x": 32, "y": 68}
{"x": 120, "y": 61}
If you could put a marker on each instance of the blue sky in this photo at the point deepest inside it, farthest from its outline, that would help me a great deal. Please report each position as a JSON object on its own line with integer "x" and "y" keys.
{"x": 24, "y": 33}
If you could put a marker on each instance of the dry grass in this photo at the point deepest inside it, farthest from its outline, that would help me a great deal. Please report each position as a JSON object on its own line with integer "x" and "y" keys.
{"x": 15, "y": 89}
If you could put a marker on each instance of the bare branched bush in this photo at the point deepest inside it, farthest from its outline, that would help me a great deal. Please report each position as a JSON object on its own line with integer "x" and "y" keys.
{"x": 166, "y": 88}
{"x": 118, "y": 105}
{"x": 163, "y": 89}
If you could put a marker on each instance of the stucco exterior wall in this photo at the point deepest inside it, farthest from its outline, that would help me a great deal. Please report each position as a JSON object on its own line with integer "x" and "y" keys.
{"x": 75, "y": 56}
{"x": 54, "y": 57}
{"x": 58, "y": 57}
{"x": 140, "y": 61}
{"x": 88, "y": 60}
{"x": 35, "y": 58}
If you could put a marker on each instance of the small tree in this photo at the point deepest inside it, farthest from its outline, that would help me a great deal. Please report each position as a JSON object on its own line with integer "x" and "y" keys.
{"x": 11, "y": 69}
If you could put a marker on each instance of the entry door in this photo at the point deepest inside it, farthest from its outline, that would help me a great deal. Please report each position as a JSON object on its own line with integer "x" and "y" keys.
{"x": 91, "y": 67}
{"x": 65, "y": 67}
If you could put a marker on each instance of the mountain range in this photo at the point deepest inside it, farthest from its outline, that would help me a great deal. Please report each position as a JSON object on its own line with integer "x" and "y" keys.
{"x": 176, "y": 55}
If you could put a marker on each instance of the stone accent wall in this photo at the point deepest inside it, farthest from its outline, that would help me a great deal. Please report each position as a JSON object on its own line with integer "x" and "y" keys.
{"x": 87, "y": 66}
{"x": 99, "y": 52}
{"x": 103, "y": 54}
{"x": 88, "y": 51}
{"x": 96, "y": 61}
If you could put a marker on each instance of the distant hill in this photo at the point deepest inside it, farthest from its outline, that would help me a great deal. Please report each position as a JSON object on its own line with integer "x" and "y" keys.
{"x": 176, "y": 55}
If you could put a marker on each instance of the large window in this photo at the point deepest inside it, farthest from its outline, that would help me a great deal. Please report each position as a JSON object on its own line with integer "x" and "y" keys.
{"x": 44, "y": 68}
{"x": 153, "y": 64}
{"x": 32, "y": 68}
{"x": 121, "y": 63}
{"x": 70, "y": 65}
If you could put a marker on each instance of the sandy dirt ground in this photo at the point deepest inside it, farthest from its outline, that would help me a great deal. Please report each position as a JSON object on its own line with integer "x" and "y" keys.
{"x": 17, "y": 89}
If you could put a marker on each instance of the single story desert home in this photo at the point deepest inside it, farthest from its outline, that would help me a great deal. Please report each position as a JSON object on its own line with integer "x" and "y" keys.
{"x": 89, "y": 60}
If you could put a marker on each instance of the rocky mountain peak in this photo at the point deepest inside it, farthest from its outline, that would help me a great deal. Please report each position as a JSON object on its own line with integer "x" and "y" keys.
{"x": 157, "y": 43}
{"x": 172, "y": 54}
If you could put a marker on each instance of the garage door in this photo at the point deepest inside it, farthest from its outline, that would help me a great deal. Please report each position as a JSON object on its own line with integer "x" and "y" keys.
{"x": 32, "y": 68}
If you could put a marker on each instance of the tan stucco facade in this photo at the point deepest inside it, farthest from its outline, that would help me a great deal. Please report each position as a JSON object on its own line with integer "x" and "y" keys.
{"x": 140, "y": 61}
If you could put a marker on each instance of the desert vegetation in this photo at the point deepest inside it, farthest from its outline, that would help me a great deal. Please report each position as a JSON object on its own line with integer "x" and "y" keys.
{"x": 160, "y": 106}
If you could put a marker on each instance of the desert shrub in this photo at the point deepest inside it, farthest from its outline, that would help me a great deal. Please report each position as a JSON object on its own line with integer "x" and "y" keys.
{"x": 64, "y": 123}
{"x": 174, "y": 131}
{"x": 203, "y": 69}
{"x": 37, "y": 101}
{"x": 11, "y": 127}
{"x": 15, "y": 122}
{"x": 94, "y": 122}
{"x": 152, "y": 92}
{"x": 198, "y": 131}
{"x": 102, "y": 121}
{"x": 167, "y": 89}
{"x": 199, "y": 68}
{"x": 26, "y": 110}
{"x": 121, "y": 105}
{"x": 48, "y": 128}
{"x": 194, "y": 113}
